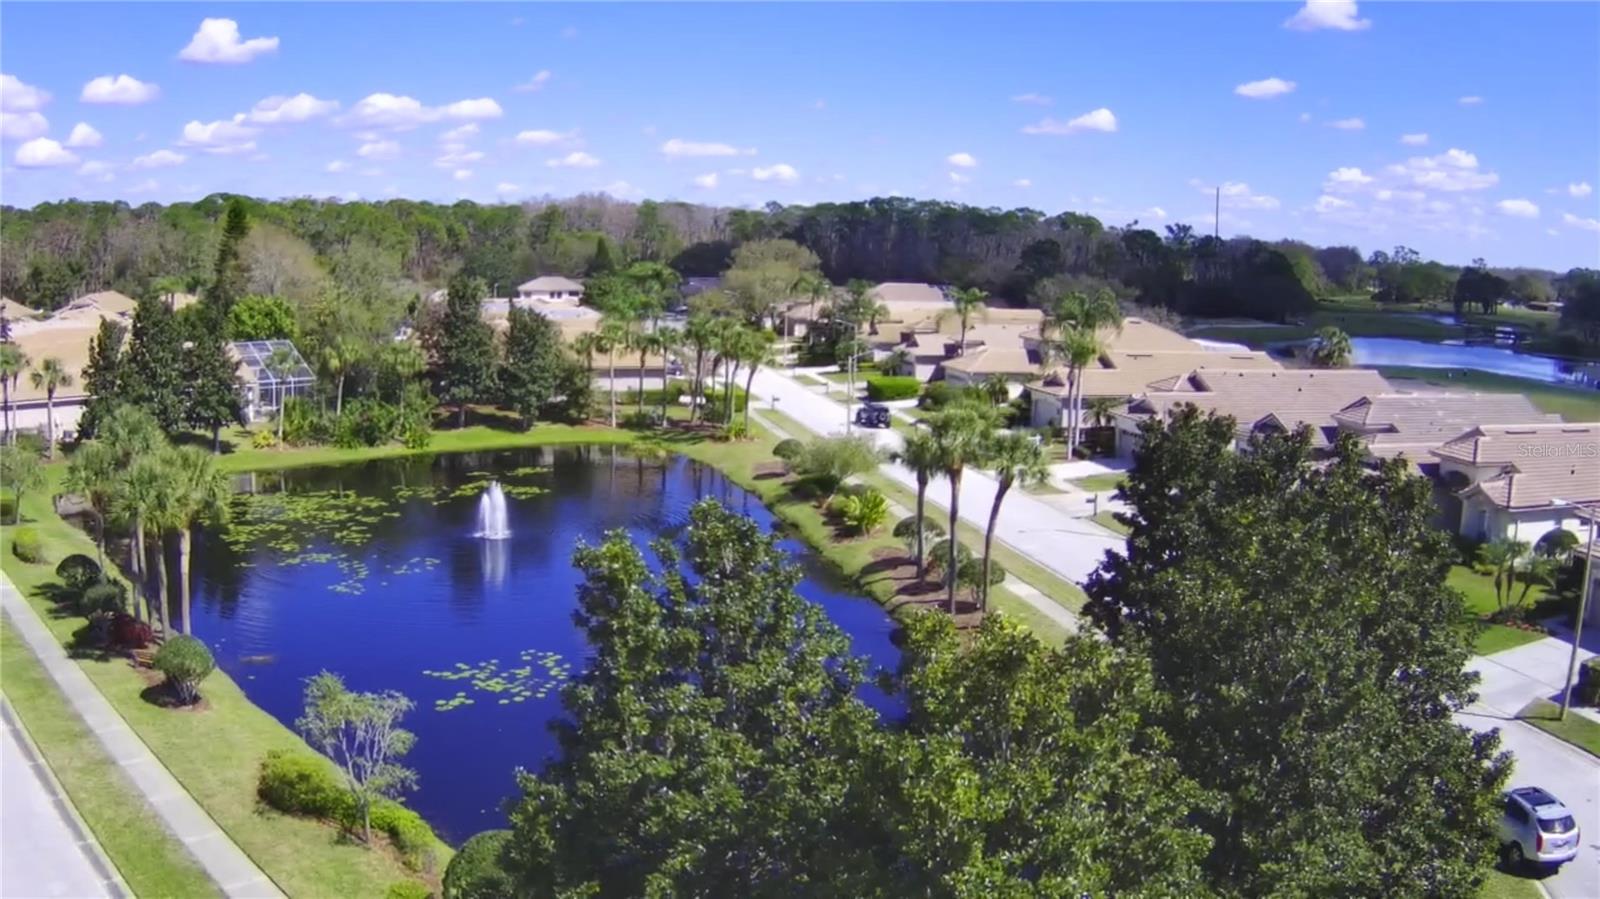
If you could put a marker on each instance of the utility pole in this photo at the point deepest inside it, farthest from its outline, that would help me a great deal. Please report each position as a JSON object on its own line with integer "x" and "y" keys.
{"x": 1583, "y": 607}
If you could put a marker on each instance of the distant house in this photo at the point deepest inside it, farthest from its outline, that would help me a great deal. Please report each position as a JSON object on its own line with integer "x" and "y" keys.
{"x": 95, "y": 306}
{"x": 1510, "y": 477}
{"x": 266, "y": 386}
{"x": 1413, "y": 425}
{"x": 551, "y": 289}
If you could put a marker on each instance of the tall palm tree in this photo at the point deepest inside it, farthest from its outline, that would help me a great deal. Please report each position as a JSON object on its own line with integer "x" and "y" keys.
{"x": 667, "y": 343}
{"x": 1078, "y": 348}
{"x": 920, "y": 452}
{"x": 731, "y": 340}
{"x": 755, "y": 351}
{"x": 1099, "y": 409}
{"x": 1330, "y": 348}
{"x": 13, "y": 362}
{"x": 647, "y": 342}
{"x": 50, "y": 376}
{"x": 996, "y": 388}
{"x": 337, "y": 358}
{"x": 1016, "y": 459}
{"x": 816, "y": 288}
{"x": 961, "y": 434}
{"x": 1075, "y": 320}
{"x": 612, "y": 336}
{"x": 93, "y": 473}
{"x": 199, "y": 493}
{"x": 965, "y": 303}
{"x": 139, "y": 497}
{"x": 700, "y": 335}
{"x": 279, "y": 363}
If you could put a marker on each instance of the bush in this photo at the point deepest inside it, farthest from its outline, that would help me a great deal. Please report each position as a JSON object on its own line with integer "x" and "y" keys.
{"x": 408, "y": 889}
{"x": 103, "y": 598}
{"x": 788, "y": 449}
{"x": 417, "y": 435}
{"x": 650, "y": 418}
{"x": 734, "y": 430}
{"x": 1588, "y": 689}
{"x": 906, "y": 528}
{"x": 264, "y": 439}
{"x": 864, "y": 512}
{"x": 828, "y": 461}
{"x": 477, "y": 871}
{"x": 298, "y": 783}
{"x": 78, "y": 573}
{"x": 938, "y": 395}
{"x": 128, "y": 632}
{"x": 25, "y": 545}
{"x": 301, "y": 423}
{"x": 882, "y": 389}
{"x": 186, "y": 662}
{"x": 411, "y": 835}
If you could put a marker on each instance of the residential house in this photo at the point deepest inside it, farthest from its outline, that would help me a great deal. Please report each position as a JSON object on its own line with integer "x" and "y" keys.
{"x": 1413, "y": 425}
{"x": 264, "y": 386}
{"x": 551, "y": 289}
{"x": 68, "y": 341}
{"x": 1516, "y": 480}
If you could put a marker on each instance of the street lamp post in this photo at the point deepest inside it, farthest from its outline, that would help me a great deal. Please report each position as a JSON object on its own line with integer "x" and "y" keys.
{"x": 1583, "y": 604}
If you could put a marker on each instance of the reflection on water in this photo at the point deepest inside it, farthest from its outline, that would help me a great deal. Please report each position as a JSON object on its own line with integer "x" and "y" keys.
{"x": 474, "y": 631}
{"x": 1380, "y": 351}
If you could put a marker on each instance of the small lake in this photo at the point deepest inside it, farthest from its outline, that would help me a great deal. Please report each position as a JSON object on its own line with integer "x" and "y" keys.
{"x": 372, "y": 571}
{"x": 1379, "y": 351}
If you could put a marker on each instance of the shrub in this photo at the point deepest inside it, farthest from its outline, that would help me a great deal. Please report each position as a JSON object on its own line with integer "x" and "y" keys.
{"x": 411, "y": 835}
{"x": 938, "y": 395}
{"x": 103, "y": 599}
{"x": 788, "y": 449}
{"x": 301, "y": 423}
{"x": 1588, "y": 690}
{"x": 477, "y": 871}
{"x": 186, "y": 662}
{"x": 417, "y": 435}
{"x": 263, "y": 439}
{"x": 78, "y": 573}
{"x": 25, "y": 545}
{"x": 906, "y": 528}
{"x": 408, "y": 889}
{"x": 732, "y": 431}
{"x": 302, "y": 784}
{"x": 650, "y": 418}
{"x": 828, "y": 461}
{"x": 864, "y": 512}
{"x": 128, "y": 632}
{"x": 885, "y": 388}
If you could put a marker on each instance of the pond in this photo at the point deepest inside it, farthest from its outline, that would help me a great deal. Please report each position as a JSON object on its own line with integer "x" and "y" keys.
{"x": 373, "y": 571}
{"x": 1380, "y": 351}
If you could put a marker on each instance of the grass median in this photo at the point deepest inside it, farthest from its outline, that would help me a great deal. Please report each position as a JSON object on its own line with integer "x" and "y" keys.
{"x": 1577, "y": 729}
{"x": 150, "y": 859}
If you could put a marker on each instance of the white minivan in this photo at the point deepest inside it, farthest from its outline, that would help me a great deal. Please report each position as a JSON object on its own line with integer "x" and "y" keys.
{"x": 1535, "y": 827}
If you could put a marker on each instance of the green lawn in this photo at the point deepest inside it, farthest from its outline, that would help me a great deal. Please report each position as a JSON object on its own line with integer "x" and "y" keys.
{"x": 1109, "y": 521}
{"x": 1097, "y": 483}
{"x": 1498, "y": 884}
{"x": 470, "y": 439}
{"x": 1479, "y": 592}
{"x": 1571, "y": 403}
{"x": 1043, "y": 488}
{"x": 1580, "y": 731}
{"x": 149, "y": 857}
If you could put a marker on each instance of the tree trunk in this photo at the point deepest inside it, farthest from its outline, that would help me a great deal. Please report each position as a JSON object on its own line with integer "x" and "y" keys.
{"x": 280, "y": 424}
{"x": 749, "y": 382}
{"x": 216, "y": 439}
{"x": 183, "y": 575}
{"x": 988, "y": 542}
{"x": 50, "y": 424}
{"x": 338, "y": 402}
{"x": 922, "y": 495}
{"x": 641, "y": 381}
{"x": 135, "y": 553}
{"x": 163, "y": 607}
{"x": 99, "y": 540}
{"x": 727, "y": 393}
{"x": 955, "y": 516}
{"x": 611, "y": 390}
{"x": 5, "y": 419}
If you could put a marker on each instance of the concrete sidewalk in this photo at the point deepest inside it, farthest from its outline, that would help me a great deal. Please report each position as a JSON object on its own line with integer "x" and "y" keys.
{"x": 233, "y": 871}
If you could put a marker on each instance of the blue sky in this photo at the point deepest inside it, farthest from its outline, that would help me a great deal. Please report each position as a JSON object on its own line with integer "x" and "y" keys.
{"x": 1461, "y": 130}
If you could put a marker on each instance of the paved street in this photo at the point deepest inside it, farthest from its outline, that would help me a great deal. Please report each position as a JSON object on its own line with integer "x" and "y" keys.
{"x": 1070, "y": 547}
{"x": 41, "y": 850}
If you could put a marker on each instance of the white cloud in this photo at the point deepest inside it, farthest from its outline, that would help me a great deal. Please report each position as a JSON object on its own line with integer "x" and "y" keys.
{"x": 219, "y": 137}
{"x": 1305, "y": 117}
{"x": 1265, "y": 89}
{"x": 621, "y": 189}
{"x": 18, "y": 96}
{"x": 460, "y": 133}
{"x": 1339, "y": 15}
{"x": 1414, "y": 140}
{"x": 84, "y": 135}
{"x": 301, "y": 107}
{"x": 385, "y": 110}
{"x": 99, "y": 171}
{"x": 147, "y": 186}
{"x": 1237, "y": 195}
{"x": 122, "y": 90}
{"x": 44, "y": 153}
{"x": 780, "y": 172}
{"x": 456, "y": 155}
{"x": 1580, "y": 189}
{"x": 461, "y": 174}
{"x": 962, "y": 160}
{"x": 336, "y": 166}
{"x": 577, "y": 159}
{"x": 1350, "y": 124}
{"x": 1031, "y": 99}
{"x": 678, "y": 148}
{"x": 506, "y": 188}
{"x": 1346, "y": 178}
{"x": 1470, "y": 100}
{"x": 1518, "y": 208}
{"x": 158, "y": 160}
{"x": 378, "y": 149}
{"x": 23, "y": 125}
{"x": 1453, "y": 170}
{"x": 217, "y": 40}
{"x": 542, "y": 137}
{"x": 1327, "y": 203}
{"x": 958, "y": 178}
{"x": 1574, "y": 221}
{"x": 536, "y": 83}
{"x": 1100, "y": 119}
{"x": 1022, "y": 182}
{"x": 708, "y": 181}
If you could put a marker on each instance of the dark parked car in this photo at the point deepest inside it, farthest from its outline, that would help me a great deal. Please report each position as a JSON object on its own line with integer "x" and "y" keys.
{"x": 872, "y": 415}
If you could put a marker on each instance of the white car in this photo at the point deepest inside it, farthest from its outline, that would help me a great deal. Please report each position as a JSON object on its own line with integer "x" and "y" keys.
{"x": 1536, "y": 827}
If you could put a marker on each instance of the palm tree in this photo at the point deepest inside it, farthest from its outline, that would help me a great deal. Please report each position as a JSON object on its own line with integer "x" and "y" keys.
{"x": 861, "y": 307}
{"x": 1077, "y": 347}
{"x": 961, "y": 434}
{"x": 730, "y": 350}
{"x": 1099, "y": 409}
{"x": 700, "y": 334}
{"x": 199, "y": 493}
{"x": 279, "y": 363}
{"x": 996, "y": 388}
{"x": 1076, "y": 320}
{"x": 964, "y": 304}
{"x": 1330, "y": 348}
{"x": 337, "y": 357}
{"x": 816, "y": 287}
{"x": 612, "y": 336}
{"x": 1016, "y": 459}
{"x": 138, "y": 500}
{"x": 93, "y": 473}
{"x": 13, "y": 362}
{"x": 755, "y": 351}
{"x": 647, "y": 342}
{"x": 50, "y": 376}
{"x": 667, "y": 343}
{"x": 920, "y": 452}
{"x": 896, "y": 362}
{"x": 1501, "y": 556}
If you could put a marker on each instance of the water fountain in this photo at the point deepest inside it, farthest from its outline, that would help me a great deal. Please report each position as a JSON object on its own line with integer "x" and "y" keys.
{"x": 492, "y": 514}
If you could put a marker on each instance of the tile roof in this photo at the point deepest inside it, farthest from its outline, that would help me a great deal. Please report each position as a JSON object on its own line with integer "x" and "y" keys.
{"x": 995, "y": 360}
{"x": 550, "y": 282}
{"x": 1537, "y": 462}
{"x": 1284, "y": 398}
{"x": 67, "y": 341}
{"x": 1416, "y": 423}
{"x": 910, "y": 293}
{"x": 108, "y": 301}
{"x": 1122, "y": 373}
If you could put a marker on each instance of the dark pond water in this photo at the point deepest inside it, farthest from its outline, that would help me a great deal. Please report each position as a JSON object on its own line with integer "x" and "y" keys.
{"x": 375, "y": 575}
{"x": 1500, "y": 360}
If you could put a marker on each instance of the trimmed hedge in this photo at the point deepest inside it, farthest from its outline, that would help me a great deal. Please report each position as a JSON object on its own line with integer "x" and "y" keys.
{"x": 477, "y": 871}
{"x": 788, "y": 449}
{"x": 186, "y": 662}
{"x": 304, "y": 784}
{"x": 884, "y": 388}
{"x": 78, "y": 572}
{"x": 25, "y": 545}
{"x": 906, "y": 528}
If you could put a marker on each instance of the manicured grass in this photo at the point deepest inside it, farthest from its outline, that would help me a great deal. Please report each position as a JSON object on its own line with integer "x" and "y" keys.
{"x": 470, "y": 439}
{"x": 1098, "y": 483}
{"x": 148, "y": 856}
{"x": 1497, "y": 884}
{"x": 215, "y": 753}
{"x": 1571, "y": 403}
{"x": 1043, "y": 488}
{"x": 1479, "y": 592}
{"x": 1579, "y": 730}
{"x": 1109, "y": 521}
